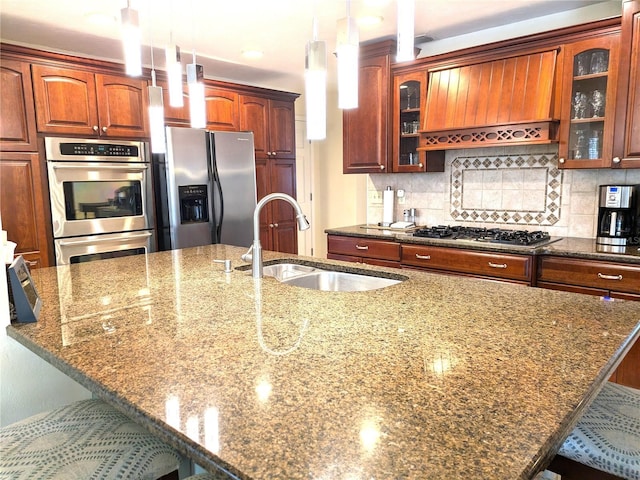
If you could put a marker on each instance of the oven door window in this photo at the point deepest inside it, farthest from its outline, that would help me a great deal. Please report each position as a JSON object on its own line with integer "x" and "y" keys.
{"x": 102, "y": 199}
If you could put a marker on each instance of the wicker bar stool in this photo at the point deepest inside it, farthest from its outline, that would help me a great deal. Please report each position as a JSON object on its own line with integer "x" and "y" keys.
{"x": 605, "y": 444}
{"x": 84, "y": 440}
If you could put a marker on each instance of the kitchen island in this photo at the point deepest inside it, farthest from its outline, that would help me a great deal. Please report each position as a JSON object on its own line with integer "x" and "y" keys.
{"x": 437, "y": 377}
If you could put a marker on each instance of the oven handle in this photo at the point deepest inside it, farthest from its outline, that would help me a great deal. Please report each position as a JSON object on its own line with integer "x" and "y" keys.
{"x": 68, "y": 243}
{"x": 128, "y": 167}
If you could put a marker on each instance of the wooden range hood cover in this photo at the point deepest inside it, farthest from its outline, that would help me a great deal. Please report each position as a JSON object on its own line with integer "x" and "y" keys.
{"x": 499, "y": 102}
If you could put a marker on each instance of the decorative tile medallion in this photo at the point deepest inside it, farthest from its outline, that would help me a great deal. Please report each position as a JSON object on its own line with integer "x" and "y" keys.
{"x": 514, "y": 189}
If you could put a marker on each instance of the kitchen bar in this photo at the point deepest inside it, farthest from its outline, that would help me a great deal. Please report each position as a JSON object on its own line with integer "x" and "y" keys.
{"x": 438, "y": 377}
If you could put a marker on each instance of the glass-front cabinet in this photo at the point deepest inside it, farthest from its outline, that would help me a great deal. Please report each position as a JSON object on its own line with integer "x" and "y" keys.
{"x": 588, "y": 103}
{"x": 409, "y": 93}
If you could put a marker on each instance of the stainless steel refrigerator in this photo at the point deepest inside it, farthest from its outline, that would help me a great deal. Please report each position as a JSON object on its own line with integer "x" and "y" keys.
{"x": 206, "y": 188}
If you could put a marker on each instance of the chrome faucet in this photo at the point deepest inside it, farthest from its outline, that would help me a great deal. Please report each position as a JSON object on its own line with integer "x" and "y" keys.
{"x": 254, "y": 254}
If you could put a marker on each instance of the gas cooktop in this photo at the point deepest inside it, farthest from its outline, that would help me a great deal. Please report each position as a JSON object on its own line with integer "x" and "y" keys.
{"x": 489, "y": 235}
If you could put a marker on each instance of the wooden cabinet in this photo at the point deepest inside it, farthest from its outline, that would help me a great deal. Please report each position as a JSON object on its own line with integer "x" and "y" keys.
{"x": 588, "y": 102}
{"x": 409, "y": 91}
{"x": 367, "y": 129}
{"x": 503, "y": 266}
{"x": 23, "y": 207}
{"x": 626, "y": 140}
{"x": 594, "y": 277}
{"x": 18, "y": 126}
{"x": 272, "y": 122}
{"x": 364, "y": 250}
{"x": 77, "y": 102}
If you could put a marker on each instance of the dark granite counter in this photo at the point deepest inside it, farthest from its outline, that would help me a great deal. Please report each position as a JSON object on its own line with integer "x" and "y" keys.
{"x": 438, "y": 377}
{"x": 569, "y": 247}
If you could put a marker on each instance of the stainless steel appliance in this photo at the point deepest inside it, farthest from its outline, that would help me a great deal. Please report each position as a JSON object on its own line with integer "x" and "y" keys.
{"x": 207, "y": 188}
{"x": 618, "y": 213}
{"x": 101, "y": 198}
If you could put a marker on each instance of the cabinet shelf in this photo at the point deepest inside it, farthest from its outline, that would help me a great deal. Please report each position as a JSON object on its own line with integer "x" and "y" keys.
{"x": 590, "y": 76}
{"x": 410, "y": 110}
{"x": 587, "y": 120}
{"x": 410, "y": 135}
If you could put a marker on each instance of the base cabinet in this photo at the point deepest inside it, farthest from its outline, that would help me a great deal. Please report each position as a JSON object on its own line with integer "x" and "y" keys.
{"x": 364, "y": 250}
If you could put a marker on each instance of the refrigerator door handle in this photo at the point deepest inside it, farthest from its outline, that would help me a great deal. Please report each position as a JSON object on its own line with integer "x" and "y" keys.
{"x": 218, "y": 206}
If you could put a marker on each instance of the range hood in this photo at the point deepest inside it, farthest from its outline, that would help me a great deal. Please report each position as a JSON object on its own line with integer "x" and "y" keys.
{"x": 499, "y": 102}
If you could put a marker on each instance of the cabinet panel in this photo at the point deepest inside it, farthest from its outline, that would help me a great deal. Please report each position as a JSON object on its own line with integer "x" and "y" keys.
{"x": 23, "y": 209}
{"x": 504, "y": 266}
{"x": 122, "y": 106}
{"x": 222, "y": 109}
{"x": 65, "y": 100}
{"x": 18, "y": 127}
{"x": 627, "y": 128}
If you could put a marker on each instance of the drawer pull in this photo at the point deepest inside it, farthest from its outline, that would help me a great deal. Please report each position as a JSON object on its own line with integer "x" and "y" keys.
{"x": 423, "y": 257}
{"x": 497, "y": 265}
{"x": 609, "y": 277}
{"x": 362, "y": 247}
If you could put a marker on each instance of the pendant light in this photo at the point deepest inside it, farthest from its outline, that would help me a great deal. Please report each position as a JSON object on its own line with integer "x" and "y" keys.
{"x": 347, "y": 47}
{"x": 197, "y": 108}
{"x": 174, "y": 74}
{"x": 131, "y": 41}
{"x": 315, "y": 82}
{"x": 406, "y": 15}
{"x": 156, "y": 113}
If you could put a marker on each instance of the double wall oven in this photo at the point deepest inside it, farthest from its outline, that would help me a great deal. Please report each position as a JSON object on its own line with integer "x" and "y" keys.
{"x": 101, "y": 198}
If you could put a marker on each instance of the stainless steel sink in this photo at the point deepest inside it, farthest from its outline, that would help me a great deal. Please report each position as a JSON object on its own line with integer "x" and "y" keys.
{"x": 321, "y": 278}
{"x": 340, "y": 281}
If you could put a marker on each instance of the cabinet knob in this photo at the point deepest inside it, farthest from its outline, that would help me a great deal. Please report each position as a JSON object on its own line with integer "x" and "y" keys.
{"x": 616, "y": 160}
{"x": 561, "y": 160}
{"x": 275, "y": 225}
{"x": 420, "y": 165}
{"x": 381, "y": 167}
{"x": 95, "y": 128}
{"x": 271, "y": 225}
{"x": 104, "y": 129}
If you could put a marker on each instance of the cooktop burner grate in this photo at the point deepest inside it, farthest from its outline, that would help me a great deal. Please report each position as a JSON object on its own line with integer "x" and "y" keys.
{"x": 490, "y": 235}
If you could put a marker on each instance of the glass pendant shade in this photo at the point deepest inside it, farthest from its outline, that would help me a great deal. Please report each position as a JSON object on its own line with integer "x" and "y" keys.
{"x": 406, "y": 15}
{"x": 347, "y": 50}
{"x": 156, "y": 119}
{"x": 197, "y": 108}
{"x": 131, "y": 42}
{"x": 315, "y": 80}
{"x": 174, "y": 75}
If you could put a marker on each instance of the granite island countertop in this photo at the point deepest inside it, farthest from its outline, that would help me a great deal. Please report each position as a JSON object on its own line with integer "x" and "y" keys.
{"x": 561, "y": 246}
{"x": 438, "y": 377}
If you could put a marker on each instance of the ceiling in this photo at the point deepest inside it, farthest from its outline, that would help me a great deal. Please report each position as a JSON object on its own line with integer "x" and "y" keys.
{"x": 220, "y": 30}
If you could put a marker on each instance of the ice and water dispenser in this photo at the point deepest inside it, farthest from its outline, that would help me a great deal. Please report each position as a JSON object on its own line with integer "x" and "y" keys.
{"x": 194, "y": 203}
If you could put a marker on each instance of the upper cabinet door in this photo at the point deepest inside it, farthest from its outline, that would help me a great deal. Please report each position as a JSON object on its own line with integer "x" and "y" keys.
{"x": 122, "y": 106}
{"x": 65, "y": 101}
{"x": 254, "y": 117}
{"x": 222, "y": 109}
{"x": 626, "y": 146}
{"x": 588, "y": 102}
{"x": 18, "y": 126}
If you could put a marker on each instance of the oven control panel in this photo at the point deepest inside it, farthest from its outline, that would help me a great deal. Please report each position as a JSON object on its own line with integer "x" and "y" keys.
{"x": 99, "y": 150}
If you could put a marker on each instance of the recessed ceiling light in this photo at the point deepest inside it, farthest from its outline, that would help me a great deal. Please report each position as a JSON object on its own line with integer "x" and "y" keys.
{"x": 369, "y": 20}
{"x": 252, "y": 54}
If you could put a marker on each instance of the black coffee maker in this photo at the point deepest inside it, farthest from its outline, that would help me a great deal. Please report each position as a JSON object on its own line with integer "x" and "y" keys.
{"x": 618, "y": 215}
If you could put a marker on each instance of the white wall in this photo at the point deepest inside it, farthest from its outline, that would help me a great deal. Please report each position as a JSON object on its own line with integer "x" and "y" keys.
{"x": 28, "y": 384}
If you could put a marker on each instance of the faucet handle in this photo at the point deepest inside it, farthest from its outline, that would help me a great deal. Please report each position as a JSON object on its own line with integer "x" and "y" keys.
{"x": 248, "y": 257}
{"x": 227, "y": 265}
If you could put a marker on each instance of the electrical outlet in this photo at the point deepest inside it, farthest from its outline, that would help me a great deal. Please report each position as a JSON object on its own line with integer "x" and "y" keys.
{"x": 375, "y": 197}
{"x": 401, "y": 200}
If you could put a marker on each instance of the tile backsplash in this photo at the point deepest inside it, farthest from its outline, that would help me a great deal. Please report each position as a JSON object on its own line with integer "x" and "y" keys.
{"x": 506, "y": 187}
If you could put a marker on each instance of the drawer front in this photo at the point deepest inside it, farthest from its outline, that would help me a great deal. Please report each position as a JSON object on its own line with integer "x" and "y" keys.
{"x": 590, "y": 273}
{"x": 364, "y": 247}
{"x": 507, "y": 266}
